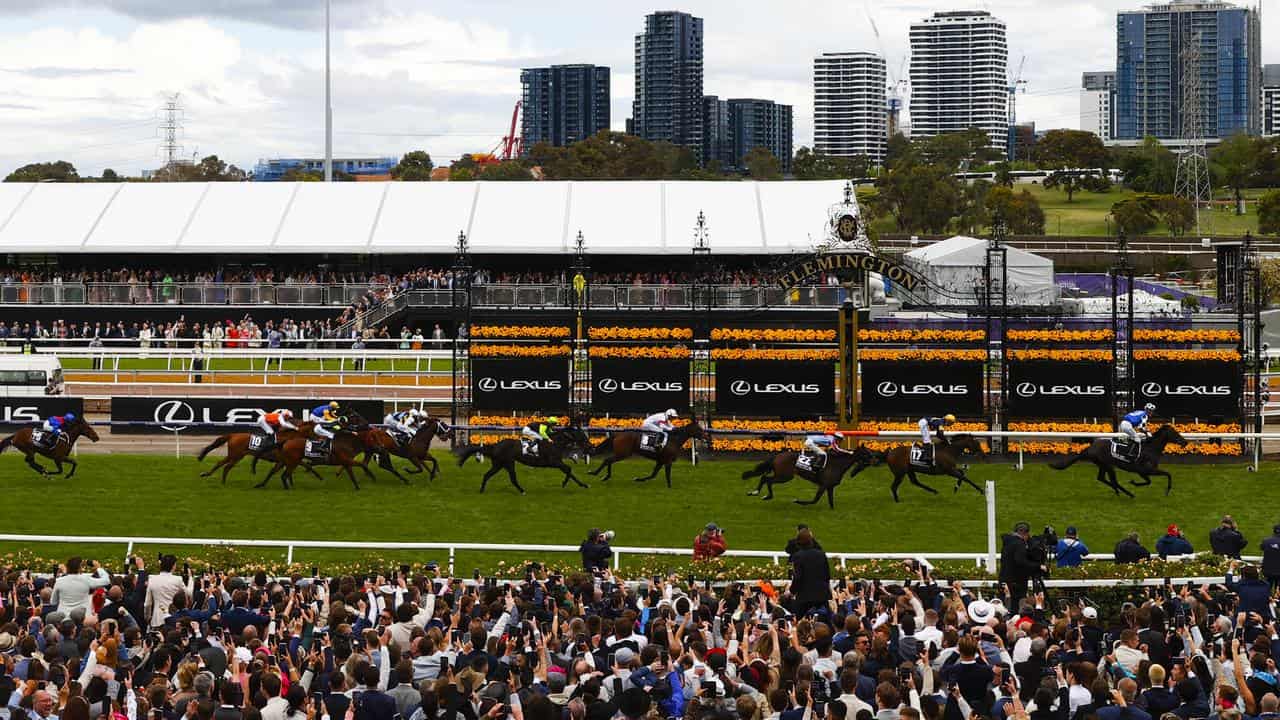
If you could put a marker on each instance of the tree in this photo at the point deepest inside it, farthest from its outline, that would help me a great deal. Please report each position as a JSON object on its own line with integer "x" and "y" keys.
{"x": 812, "y": 165}
{"x": 919, "y": 197}
{"x": 1269, "y": 213}
{"x": 60, "y": 171}
{"x": 1020, "y": 211}
{"x": 509, "y": 170}
{"x": 973, "y": 208}
{"x": 1235, "y": 163}
{"x": 899, "y": 149}
{"x": 1133, "y": 217}
{"x": 762, "y": 165}
{"x": 1177, "y": 213}
{"x": 1071, "y": 182}
{"x": 1060, "y": 149}
{"x": 1150, "y": 167}
{"x": 613, "y": 156}
{"x": 110, "y": 176}
{"x": 414, "y": 166}
{"x": 463, "y": 169}
{"x": 298, "y": 174}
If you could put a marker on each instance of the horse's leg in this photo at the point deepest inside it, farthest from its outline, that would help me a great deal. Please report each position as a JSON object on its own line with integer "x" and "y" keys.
{"x": 221, "y": 461}
{"x": 1146, "y": 480}
{"x": 897, "y": 480}
{"x": 831, "y": 496}
{"x": 1115, "y": 482}
{"x": 384, "y": 462}
{"x": 568, "y": 475}
{"x": 352, "y": 476}
{"x": 484, "y": 481}
{"x": 511, "y": 473}
{"x": 73, "y": 465}
{"x": 667, "y": 468}
{"x": 911, "y": 475}
{"x": 962, "y": 477}
{"x": 278, "y": 466}
{"x": 1168, "y": 487}
{"x": 31, "y": 460}
{"x": 435, "y": 465}
{"x": 606, "y": 465}
{"x": 815, "y": 499}
{"x": 656, "y": 466}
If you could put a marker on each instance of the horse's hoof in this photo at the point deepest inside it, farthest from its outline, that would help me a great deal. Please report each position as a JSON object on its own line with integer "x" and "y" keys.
{"x": 752, "y": 493}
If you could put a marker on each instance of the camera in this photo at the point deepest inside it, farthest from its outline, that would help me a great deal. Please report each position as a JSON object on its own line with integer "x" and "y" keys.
{"x": 607, "y": 536}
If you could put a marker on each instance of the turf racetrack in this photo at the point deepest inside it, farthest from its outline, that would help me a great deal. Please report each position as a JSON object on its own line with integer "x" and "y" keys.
{"x": 164, "y": 497}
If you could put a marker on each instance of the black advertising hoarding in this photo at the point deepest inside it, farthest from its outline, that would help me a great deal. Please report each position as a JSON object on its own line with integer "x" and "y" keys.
{"x": 639, "y": 386}
{"x": 921, "y": 388}
{"x": 22, "y": 411}
{"x": 1197, "y": 388}
{"x": 167, "y": 414}
{"x": 1049, "y": 389}
{"x": 540, "y": 384}
{"x": 775, "y": 388}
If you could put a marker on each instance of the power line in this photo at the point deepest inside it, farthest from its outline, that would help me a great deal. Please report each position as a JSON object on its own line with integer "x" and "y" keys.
{"x": 170, "y": 128}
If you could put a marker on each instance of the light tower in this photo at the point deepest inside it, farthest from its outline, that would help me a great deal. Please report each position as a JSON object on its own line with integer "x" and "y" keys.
{"x": 1192, "y": 179}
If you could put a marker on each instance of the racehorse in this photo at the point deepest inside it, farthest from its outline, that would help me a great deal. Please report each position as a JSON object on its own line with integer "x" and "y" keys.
{"x": 623, "y": 445}
{"x": 23, "y": 442}
{"x": 416, "y": 451}
{"x": 946, "y": 457}
{"x": 781, "y": 468}
{"x": 237, "y": 444}
{"x": 1099, "y": 453}
{"x": 506, "y": 453}
{"x": 343, "y": 450}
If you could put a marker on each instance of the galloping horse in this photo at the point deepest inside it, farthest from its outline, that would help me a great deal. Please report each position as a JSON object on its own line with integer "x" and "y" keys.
{"x": 946, "y": 457}
{"x": 781, "y": 468}
{"x": 1146, "y": 465}
{"x": 623, "y": 445}
{"x": 343, "y": 450}
{"x": 506, "y": 453}
{"x": 238, "y": 448}
{"x": 416, "y": 451}
{"x": 60, "y": 452}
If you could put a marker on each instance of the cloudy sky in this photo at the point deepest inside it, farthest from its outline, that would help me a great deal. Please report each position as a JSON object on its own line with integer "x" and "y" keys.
{"x": 83, "y": 80}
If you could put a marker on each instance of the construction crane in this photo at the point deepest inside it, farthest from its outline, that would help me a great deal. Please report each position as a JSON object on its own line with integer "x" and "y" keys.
{"x": 897, "y": 82}
{"x": 509, "y": 147}
{"x": 1014, "y": 82}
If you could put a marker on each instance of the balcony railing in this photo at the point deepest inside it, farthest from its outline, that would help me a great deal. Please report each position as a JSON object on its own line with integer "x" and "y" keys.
{"x": 75, "y": 293}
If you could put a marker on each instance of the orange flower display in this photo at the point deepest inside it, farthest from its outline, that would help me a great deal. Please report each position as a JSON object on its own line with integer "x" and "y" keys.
{"x": 914, "y": 336}
{"x": 674, "y": 352}
{"x": 1061, "y": 355}
{"x": 1186, "y": 336}
{"x": 925, "y": 355}
{"x": 640, "y": 333}
{"x": 1187, "y": 355}
{"x": 757, "y": 444}
{"x": 1053, "y": 446}
{"x": 519, "y": 332}
{"x": 742, "y": 354}
{"x": 773, "y": 335}
{"x": 540, "y": 351}
{"x": 1059, "y": 336}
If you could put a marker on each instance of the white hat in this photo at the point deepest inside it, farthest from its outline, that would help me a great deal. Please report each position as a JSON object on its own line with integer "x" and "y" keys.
{"x": 981, "y": 611}
{"x": 1090, "y": 612}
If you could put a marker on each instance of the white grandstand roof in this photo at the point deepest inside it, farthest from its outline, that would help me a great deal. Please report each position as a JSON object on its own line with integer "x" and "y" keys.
{"x": 619, "y": 218}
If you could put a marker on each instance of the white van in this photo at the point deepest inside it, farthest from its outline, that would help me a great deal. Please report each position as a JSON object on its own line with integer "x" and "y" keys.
{"x": 30, "y": 376}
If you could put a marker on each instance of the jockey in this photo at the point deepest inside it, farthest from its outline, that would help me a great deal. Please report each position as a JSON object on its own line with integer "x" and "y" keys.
{"x": 816, "y": 445}
{"x": 660, "y": 423}
{"x": 404, "y": 422}
{"x": 53, "y": 425}
{"x": 934, "y": 425}
{"x": 536, "y": 431}
{"x": 273, "y": 422}
{"x": 327, "y": 419}
{"x": 1136, "y": 422}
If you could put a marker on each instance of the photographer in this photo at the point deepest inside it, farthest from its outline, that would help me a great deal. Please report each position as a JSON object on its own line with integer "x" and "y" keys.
{"x": 709, "y": 544}
{"x": 1017, "y": 566}
{"x": 596, "y": 551}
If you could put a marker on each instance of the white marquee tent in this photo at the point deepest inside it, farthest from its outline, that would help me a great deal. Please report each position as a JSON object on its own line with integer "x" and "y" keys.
{"x": 954, "y": 270}
{"x": 638, "y": 217}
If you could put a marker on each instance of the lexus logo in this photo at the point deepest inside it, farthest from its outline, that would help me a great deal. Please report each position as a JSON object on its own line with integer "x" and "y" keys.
{"x": 607, "y": 385}
{"x": 740, "y": 387}
{"x": 610, "y": 385}
{"x": 743, "y": 387}
{"x": 1028, "y": 389}
{"x": 174, "y": 415}
{"x": 487, "y": 384}
{"x": 889, "y": 388}
{"x": 1155, "y": 389}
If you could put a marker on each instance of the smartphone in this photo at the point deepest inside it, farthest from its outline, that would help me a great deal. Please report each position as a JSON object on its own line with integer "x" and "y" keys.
{"x": 315, "y": 571}
{"x": 308, "y": 636}
{"x": 708, "y": 688}
{"x": 475, "y": 574}
{"x": 444, "y": 666}
{"x": 820, "y": 709}
{"x": 608, "y": 660}
{"x": 466, "y": 638}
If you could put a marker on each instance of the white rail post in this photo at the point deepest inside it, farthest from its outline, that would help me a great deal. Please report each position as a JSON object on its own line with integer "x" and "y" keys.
{"x": 177, "y": 443}
{"x": 1019, "y": 457}
{"x": 128, "y": 553}
{"x": 617, "y": 559}
{"x": 288, "y": 558}
{"x": 451, "y": 554}
{"x": 991, "y": 527}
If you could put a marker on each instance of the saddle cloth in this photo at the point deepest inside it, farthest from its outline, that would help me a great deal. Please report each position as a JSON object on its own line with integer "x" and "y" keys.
{"x": 921, "y": 457}
{"x": 810, "y": 463}
{"x": 259, "y": 442}
{"x": 316, "y": 450}
{"x": 46, "y": 440}
{"x": 1126, "y": 451}
{"x": 528, "y": 448}
{"x": 650, "y": 442}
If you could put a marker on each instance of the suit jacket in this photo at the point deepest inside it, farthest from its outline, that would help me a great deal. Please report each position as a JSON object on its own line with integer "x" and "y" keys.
{"x": 160, "y": 591}
{"x": 72, "y": 592}
{"x": 812, "y": 583}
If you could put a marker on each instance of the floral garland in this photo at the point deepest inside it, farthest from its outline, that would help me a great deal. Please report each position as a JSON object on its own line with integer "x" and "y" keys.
{"x": 1062, "y": 355}
{"x": 912, "y": 335}
{"x": 520, "y": 332}
{"x": 674, "y": 352}
{"x": 925, "y": 355}
{"x": 757, "y": 444}
{"x": 742, "y": 354}
{"x": 1188, "y": 355}
{"x": 640, "y": 333}
{"x": 1059, "y": 336}
{"x": 773, "y": 335}
{"x": 1186, "y": 336}
{"x": 539, "y": 351}
{"x": 1065, "y": 447}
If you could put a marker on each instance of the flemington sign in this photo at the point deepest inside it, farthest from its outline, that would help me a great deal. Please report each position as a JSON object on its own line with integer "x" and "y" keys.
{"x": 801, "y": 271}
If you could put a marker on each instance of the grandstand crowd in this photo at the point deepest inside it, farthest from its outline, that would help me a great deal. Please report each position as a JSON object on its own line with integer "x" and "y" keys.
{"x": 166, "y": 642}
{"x": 245, "y": 333}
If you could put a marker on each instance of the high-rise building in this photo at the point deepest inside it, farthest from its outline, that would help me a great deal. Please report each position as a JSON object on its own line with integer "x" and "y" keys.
{"x": 1152, "y": 48}
{"x": 668, "y": 100}
{"x": 564, "y": 103}
{"x": 717, "y": 136}
{"x": 733, "y": 128}
{"x": 960, "y": 75}
{"x": 1097, "y": 92}
{"x": 1270, "y": 100}
{"x": 850, "y": 112}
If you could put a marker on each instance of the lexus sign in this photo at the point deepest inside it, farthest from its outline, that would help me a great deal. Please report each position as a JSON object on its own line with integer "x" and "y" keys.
{"x": 1185, "y": 390}
{"x": 790, "y": 389}
{"x": 20, "y": 411}
{"x": 533, "y": 384}
{"x": 918, "y": 389}
{"x": 1046, "y": 389}
{"x": 639, "y": 386}
{"x": 217, "y": 415}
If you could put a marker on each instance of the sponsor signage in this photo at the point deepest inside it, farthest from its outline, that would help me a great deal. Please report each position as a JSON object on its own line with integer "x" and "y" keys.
{"x": 539, "y": 384}
{"x": 775, "y": 388}
{"x": 1199, "y": 388}
{"x": 1047, "y": 389}
{"x": 804, "y": 270}
{"x": 921, "y": 388}
{"x": 175, "y": 414}
{"x": 639, "y": 386}
{"x": 22, "y": 411}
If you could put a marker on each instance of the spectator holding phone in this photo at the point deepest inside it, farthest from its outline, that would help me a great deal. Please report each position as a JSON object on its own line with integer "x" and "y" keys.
{"x": 709, "y": 544}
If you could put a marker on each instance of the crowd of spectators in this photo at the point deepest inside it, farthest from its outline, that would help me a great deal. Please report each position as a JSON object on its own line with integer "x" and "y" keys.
{"x": 84, "y": 643}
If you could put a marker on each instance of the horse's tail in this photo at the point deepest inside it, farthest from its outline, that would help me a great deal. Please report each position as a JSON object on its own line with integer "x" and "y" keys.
{"x": 5, "y": 443}
{"x": 1068, "y": 462}
{"x": 602, "y": 445}
{"x": 758, "y": 470}
{"x": 466, "y": 452}
{"x": 217, "y": 443}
